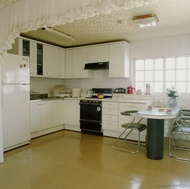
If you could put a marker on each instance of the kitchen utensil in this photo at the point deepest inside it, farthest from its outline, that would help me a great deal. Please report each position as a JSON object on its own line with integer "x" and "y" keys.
{"x": 89, "y": 93}
{"x": 139, "y": 91}
{"x": 130, "y": 90}
{"x": 100, "y": 95}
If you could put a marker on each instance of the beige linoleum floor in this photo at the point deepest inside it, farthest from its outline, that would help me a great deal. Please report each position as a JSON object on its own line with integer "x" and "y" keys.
{"x": 71, "y": 160}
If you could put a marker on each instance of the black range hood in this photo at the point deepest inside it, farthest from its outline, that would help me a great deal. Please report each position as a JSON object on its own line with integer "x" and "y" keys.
{"x": 97, "y": 66}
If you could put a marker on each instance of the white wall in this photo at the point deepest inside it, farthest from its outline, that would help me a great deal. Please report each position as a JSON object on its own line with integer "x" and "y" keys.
{"x": 163, "y": 46}
{"x": 170, "y": 46}
{"x": 1, "y": 129}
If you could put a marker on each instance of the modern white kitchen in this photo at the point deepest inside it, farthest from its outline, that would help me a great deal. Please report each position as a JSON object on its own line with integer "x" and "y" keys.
{"x": 59, "y": 82}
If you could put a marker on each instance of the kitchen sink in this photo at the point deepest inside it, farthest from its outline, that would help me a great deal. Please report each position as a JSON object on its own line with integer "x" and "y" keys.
{"x": 38, "y": 96}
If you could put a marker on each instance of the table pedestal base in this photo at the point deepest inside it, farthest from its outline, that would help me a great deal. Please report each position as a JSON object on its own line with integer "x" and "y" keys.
{"x": 155, "y": 138}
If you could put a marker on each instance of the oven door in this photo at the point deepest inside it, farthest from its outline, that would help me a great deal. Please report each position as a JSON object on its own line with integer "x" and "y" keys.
{"x": 92, "y": 112}
{"x": 91, "y": 118}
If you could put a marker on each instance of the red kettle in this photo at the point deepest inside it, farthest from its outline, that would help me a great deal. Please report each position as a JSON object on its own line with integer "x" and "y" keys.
{"x": 130, "y": 90}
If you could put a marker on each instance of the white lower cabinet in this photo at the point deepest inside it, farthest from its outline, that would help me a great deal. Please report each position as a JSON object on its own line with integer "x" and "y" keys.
{"x": 58, "y": 112}
{"x": 46, "y": 117}
{"x": 110, "y": 116}
{"x": 72, "y": 114}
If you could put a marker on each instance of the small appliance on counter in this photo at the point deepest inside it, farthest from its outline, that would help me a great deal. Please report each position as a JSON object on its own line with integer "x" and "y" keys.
{"x": 76, "y": 93}
{"x": 120, "y": 90}
{"x": 59, "y": 91}
{"x": 130, "y": 90}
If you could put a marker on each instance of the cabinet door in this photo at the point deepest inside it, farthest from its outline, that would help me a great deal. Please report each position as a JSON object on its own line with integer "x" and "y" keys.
{"x": 46, "y": 115}
{"x": 39, "y": 58}
{"x": 51, "y": 61}
{"x": 27, "y": 48}
{"x": 119, "y": 60}
{"x": 35, "y": 117}
{"x": 57, "y": 112}
{"x": 79, "y": 61}
{"x": 62, "y": 63}
{"x": 71, "y": 112}
{"x": 98, "y": 53}
{"x": 69, "y": 63}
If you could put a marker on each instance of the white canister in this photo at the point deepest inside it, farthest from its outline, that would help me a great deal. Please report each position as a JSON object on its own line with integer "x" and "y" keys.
{"x": 76, "y": 93}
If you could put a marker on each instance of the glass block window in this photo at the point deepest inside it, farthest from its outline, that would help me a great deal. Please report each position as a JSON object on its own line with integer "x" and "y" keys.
{"x": 163, "y": 72}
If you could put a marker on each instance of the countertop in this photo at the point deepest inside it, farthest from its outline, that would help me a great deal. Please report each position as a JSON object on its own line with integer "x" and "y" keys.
{"x": 142, "y": 99}
{"x": 46, "y": 99}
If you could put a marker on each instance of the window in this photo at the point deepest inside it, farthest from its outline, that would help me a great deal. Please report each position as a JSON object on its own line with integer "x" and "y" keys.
{"x": 161, "y": 73}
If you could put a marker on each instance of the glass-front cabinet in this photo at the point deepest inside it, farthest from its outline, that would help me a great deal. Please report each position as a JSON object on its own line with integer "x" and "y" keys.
{"x": 39, "y": 59}
{"x": 25, "y": 47}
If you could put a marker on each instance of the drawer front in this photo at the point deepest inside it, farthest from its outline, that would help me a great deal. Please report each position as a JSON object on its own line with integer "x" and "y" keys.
{"x": 108, "y": 125}
{"x": 110, "y": 111}
{"x": 110, "y": 118}
{"x": 114, "y": 105}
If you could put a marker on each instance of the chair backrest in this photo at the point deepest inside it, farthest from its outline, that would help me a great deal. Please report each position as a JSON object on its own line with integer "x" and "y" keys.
{"x": 183, "y": 123}
{"x": 132, "y": 114}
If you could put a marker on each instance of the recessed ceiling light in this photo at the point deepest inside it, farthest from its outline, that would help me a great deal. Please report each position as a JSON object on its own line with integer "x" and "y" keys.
{"x": 58, "y": 33}
{"x": 146, "y": 20}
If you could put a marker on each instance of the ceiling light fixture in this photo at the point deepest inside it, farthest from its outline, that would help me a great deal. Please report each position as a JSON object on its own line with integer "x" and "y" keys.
{"x": 146, "y": 20}
{"x": 58, "y": 33}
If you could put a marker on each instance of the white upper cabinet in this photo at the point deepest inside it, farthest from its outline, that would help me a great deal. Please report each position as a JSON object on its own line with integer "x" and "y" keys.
{"x": 98, "y": 53}
{"x": 26, "y": 47}
{"x": 62, "y": 62}
{"x": 76, "y": 59}
{"x": 69, "y": 63}
{"x": 45, "y": 60}
{"x": 119, "y": 59}
{"x": 51, "y": 61}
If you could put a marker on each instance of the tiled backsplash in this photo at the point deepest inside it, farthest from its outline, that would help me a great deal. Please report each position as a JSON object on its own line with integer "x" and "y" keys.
{"x": 100, "y": 80}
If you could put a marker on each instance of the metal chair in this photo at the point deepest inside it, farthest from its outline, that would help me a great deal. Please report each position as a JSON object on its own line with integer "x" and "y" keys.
{"x": 133, "y": 125}
{"x": 179, "y": 138}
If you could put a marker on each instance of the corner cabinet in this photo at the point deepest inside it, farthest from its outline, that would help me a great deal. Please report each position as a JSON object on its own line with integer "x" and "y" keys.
{"x": 119, "y": 59}
{"x": 72, "y": 114}
{"x": 76, "y": 58}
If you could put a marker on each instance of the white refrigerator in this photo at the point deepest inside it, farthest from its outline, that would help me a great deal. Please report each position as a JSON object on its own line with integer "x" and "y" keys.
{"x": 16, "y": 101}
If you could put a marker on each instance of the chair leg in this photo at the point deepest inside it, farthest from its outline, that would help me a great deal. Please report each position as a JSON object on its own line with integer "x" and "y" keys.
{"x": 125, "y": 138}
{"x": 172, "y": 144}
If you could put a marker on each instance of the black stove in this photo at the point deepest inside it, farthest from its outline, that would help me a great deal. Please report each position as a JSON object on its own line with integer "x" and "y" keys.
{"x": 91, "y": 111}
{"x": 107, "y": 92}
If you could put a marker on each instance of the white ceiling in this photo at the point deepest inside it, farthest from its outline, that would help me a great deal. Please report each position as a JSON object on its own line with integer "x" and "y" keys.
{"x": 173, "y": 15}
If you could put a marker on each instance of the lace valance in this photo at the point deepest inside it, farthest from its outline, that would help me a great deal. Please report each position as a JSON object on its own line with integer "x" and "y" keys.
{"x": 17, "y": 16}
